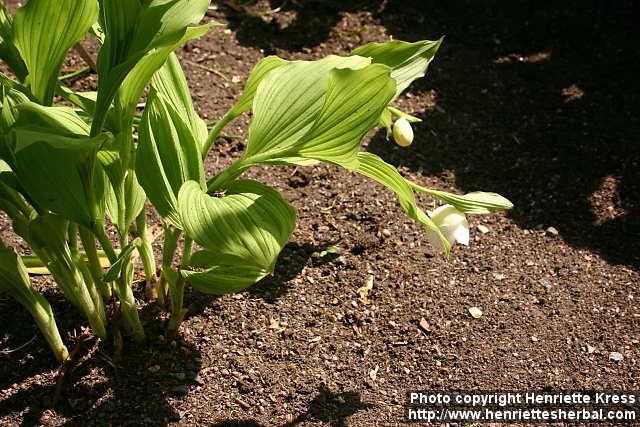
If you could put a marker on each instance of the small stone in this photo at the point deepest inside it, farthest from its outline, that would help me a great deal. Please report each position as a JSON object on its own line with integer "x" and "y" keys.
{"x": 551, "y": 231}
{"x": 545, "y": 283}
{"x": 341, "y": 260}
{"x": 482, "y": 229}
{"x": 534, "y": 338}
{"x": 386, "y": 232}
{"x": 590, "y": 349}
{"x": 198, "y": 380}
{"x": 615, "y": 356}
{"x": 498, "y": 276}
{"x": 424, "y": 325}
{"x": 154, "y": 368}
{"x": 475, "y": 312}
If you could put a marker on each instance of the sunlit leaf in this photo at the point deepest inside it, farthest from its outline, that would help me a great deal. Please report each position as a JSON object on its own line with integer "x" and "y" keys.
{"x": 60, "y": 120}
{"x": 132, "y": 30}
{"x": 377, "y": 169}
{"x": 44, "y": 31}
{"x": 259, "y": 72}
{"x": 313, "y": 110}
{"x": 15, "y": 281}
{"x": 140, "y": 75}
{"x": 55, "y": 172}
{"x": 477, "y": 202}
{"x": 168, "y": 155}
{"x": 289, "y": 100}
{"x": 408, "y": 61}
{"x": 171, "y": 82}
{"x": 116, "y": 268}
{"x": 242, "y": 233}
{"x": 353, "y": 104}
{"x": 8, "y": 51}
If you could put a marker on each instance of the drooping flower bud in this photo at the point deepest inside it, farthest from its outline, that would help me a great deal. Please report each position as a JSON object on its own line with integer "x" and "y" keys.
{"x": 402, "y": 132}
{"x": 452, "y": 223}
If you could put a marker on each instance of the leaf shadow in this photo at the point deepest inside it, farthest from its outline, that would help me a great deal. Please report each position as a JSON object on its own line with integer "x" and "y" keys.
{"x": 98, "y": 389}
{"x": 520, "y": 101}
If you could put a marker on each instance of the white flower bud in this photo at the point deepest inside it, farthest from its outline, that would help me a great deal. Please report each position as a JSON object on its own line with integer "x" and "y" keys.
{"x": 402, "y": 132}
{"x": 452, "y": 223}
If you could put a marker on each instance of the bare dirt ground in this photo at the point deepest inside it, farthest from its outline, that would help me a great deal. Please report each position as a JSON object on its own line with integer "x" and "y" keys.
{"x": 538, "y": 104}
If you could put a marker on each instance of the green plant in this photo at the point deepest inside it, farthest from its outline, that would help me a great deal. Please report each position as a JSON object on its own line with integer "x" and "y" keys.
{"x": 67, "y": 169}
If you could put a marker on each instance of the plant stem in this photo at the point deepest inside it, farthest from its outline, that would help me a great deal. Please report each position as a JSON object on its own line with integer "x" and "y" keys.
{"x": 107, "y": 247}
{"x": 73, "y": 237}
{"x": 43, "y": 316}
{"x": 177, "y": 291}
{"x": 72, "y": 282}
{"x": 95, "y": 296}
{"x": 93, "y": 259}
{"x": 229, "y": 174}
{"x": 128, "y": 306}
{"x": 169, "y": 247}
{"x": 215, "y": 132}
{"x": 146, "y": 254}
{"x": 122, "y": 286}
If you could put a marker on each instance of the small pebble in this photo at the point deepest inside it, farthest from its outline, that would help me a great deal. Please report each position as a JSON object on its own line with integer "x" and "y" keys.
{"x": 475, "y": 312}
{"x": 386, "y": 232}
{"x": 590, "y": 349}
{"x": 615, "y": 356}
{"x": 534, "y": 338}
{"x": 545, "y": 283}
{"x": 498, "y": 276}
{"x": 483, "y": 229}
{"x": 551, "y": 231}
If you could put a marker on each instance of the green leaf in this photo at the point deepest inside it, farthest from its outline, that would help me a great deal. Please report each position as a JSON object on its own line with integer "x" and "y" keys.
{"x": 171, "y": 82}
{"x": 242, "y": 234}
{"x": 259, "y": 72}
{"x": 408, "y": 61}
{"x": 313, "y": 110}
{"x": 385, "y": 121}
{"x": 15, "y": 281}
{"x": 139, "y": 76}
{"x": 14, "y": 278}
{"x": 223, "y": 276}
{"x": 10, "y": 99}
{"x": 477, "y": 202}
{"x": 377, "y": 169}
{"x": 44, "y": 31}
{"x": 60, "y": 120}
{"x": 114, "y": 271}
{"x": 132, "y": 30}
{"x": 55, "y": 172}
{"x": 288, "y": 101}
{"x": 134, "y": 201}
{"x": 8, "y": 51}
{"x": 84, "y": 100}
{"x": 168, "y": 156}
{"x": 354, "y": 101}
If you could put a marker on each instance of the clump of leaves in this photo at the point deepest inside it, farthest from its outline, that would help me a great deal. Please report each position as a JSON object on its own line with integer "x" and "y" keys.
{"x": 65, "y": 169}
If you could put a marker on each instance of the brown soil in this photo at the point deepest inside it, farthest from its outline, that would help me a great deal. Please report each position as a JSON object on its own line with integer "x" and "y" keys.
{"x": 539, "y": 105}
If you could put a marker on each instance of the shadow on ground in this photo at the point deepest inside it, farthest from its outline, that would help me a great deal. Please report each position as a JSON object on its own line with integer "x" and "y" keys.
{"x": 100, "y": 389}
{"x": 311, "y": 24}
{"x": 332, "y": 409}
{"x": 538, "y": 103}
